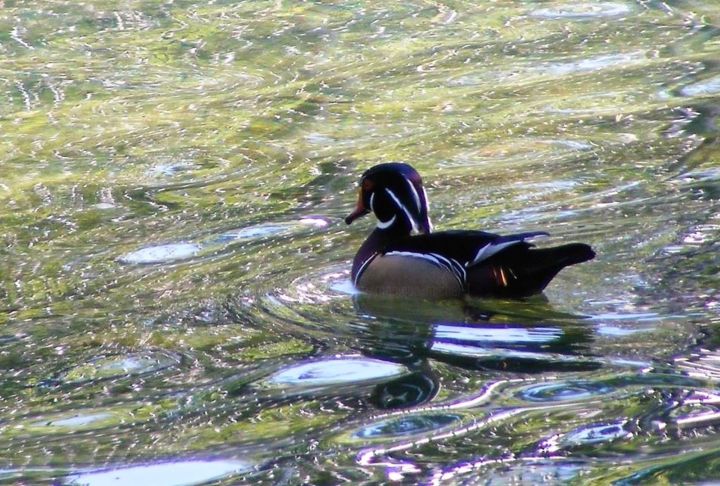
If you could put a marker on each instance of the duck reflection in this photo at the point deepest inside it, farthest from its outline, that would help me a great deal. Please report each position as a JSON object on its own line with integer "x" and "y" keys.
{"x": 465, "y": 334}
{"x": 417, "y": 388}
{"x": 403, "y": 342}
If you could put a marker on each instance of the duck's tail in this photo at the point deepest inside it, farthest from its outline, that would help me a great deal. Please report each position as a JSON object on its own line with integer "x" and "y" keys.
{"x": 521, "y": 271}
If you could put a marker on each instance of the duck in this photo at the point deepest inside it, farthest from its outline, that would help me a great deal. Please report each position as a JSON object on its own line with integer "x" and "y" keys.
{"x": 403, "y": 256}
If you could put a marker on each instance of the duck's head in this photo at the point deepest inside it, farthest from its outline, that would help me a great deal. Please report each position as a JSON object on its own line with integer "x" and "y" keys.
{"x": 395, "y": 193}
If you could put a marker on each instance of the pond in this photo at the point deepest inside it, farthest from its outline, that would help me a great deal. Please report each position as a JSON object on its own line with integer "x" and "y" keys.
{"x": 175, "y": 299}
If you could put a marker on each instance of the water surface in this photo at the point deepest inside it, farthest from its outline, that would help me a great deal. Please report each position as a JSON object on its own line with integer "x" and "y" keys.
{"x": 175, "y": 302}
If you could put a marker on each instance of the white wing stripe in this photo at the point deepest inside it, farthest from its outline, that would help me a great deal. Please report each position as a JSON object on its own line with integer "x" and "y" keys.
{"x": 415, "y": 195}
{"x": 424, "y": 256}
{"x": 489, "y": 250}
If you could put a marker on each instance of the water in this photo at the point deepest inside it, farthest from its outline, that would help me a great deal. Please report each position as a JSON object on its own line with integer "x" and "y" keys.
{"x": 175, "y": 302}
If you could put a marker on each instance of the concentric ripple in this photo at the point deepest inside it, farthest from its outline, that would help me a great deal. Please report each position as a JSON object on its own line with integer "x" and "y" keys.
{"x": 587, "y": 435}
{"x": 406, "y": 425}
{"x": 333, "y": 372}
{"x": 564, "y": 391}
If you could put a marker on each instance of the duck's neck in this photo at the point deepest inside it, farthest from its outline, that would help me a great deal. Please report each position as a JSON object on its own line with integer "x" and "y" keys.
{"x": 376, "y": 242}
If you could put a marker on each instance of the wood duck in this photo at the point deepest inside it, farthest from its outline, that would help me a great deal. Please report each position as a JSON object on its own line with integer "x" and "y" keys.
{"x": 446, "y": 264}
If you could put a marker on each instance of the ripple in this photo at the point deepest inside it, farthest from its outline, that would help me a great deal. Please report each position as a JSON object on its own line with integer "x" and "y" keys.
{"x": 104, "y": 206}
{"x": 619, "y": 332}
{"x": 168, "y": 473}
{"x": 271, "y": 229}
{"x": 67, "y": 422}
{"x": 595, "y": 434}
{"x": 564, "y": 391}
{"x": 406, "y": 425}
{"x": 78, "y": 420}
{"x": 500, "y": 472}
{"x": 171, "y": 169}
{"x": 336, "y": 371}
{"x": 317, "y": 138}
{"x": 587, "y": 435}
{"x": 697, "y": 409}
{"x": 702, "y": 397}
{"x": 515, "y": 335}
{"x": 703, "y": 364}
{"x": 495, "y": 353}
{"x": 594, "y": 63}
{"x": 161, "y": 254}
{"x": 516, "y": 345}
{"x": 710, "y": 86}
{"x": 583, "y": 11}
{"x": 624, "y": 316}
{"x": 108, "y": 367}
{"x": 547, "y": 69}
{"x": 254, "y": 232}
{"x": 344, "y": 286}
{"x": 72, "y": 421}
{"x": 408, "y": 391}
{"x": 710, "y": 174}
{"x": 172, "y": 252}
{"x": 700, "y": 416}
{"x": 326, "y": 285}
{"x": 624, "y": 324}
{"x": 532, "y": 191}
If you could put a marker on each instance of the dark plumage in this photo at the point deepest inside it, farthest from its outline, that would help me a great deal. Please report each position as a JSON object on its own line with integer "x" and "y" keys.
{"x": 445, "y": 264}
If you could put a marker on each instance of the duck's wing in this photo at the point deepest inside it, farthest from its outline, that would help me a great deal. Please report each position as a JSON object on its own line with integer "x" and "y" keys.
{"x": 490, "y": 264}
{"x": 520, "y": 271}
{"x": 466, "y": 248}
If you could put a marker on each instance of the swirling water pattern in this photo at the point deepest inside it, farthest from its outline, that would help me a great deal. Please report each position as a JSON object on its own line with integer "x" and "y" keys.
{"x": 175, "y": 305}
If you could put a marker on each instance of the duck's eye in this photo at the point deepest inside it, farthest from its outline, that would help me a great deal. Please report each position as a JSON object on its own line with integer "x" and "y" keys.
{"x": 367, "y": 185}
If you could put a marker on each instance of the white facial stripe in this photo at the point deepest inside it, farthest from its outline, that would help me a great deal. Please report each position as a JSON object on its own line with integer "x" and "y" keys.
{"x": 372, "y": 198}
{"x": 427, "y": 208}
{"x": 401, "y": 206}
{"x": 415, "y": 194}
{"x": 386, "y": 224}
